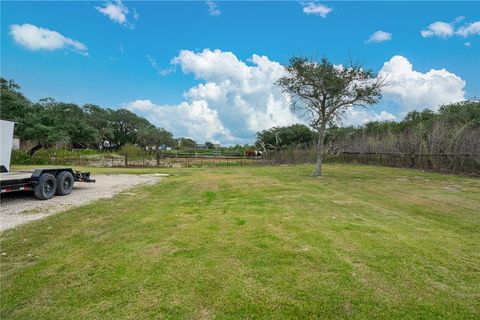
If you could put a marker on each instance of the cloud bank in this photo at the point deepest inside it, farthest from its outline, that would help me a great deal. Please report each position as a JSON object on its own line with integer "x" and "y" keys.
{"x": 234, "y": 99}
{"x": 35, "y": 38}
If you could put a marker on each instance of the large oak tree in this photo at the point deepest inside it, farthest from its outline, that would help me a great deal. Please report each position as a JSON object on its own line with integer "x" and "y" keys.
{"x": 323, "y": 92}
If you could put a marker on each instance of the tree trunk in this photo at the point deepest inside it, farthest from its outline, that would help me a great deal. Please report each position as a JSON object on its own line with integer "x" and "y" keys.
{"x": 35, "y": 149}
{"x": 319, "y": 151}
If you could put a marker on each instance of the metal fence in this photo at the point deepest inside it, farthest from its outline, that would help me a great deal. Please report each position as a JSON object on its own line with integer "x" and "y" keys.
{"x": 450, "y": 163}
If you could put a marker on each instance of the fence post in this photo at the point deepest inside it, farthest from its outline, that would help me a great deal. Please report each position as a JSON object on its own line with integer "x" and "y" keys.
{"x": 126, "y": 160}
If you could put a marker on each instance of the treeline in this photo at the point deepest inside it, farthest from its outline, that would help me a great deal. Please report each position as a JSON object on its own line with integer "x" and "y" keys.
{"x": 453, "y": 129}
{"x": 49, "y": 123}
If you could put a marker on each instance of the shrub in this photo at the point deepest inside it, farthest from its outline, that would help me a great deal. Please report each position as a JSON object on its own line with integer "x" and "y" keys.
{"x": 21, "y": 157}
{"x": 131, "y": 151}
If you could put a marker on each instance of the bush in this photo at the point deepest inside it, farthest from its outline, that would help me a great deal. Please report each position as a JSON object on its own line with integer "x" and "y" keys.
{"x": 21, "y": 157}
{"x": 40, "y": 157}
{"x": 43, "y": 156}
{"x": 131, "y": 151}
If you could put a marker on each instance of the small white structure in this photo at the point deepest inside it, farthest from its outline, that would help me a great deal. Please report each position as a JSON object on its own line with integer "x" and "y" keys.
{"x": 16, "y": 143}
{"x": 6, "y": 140}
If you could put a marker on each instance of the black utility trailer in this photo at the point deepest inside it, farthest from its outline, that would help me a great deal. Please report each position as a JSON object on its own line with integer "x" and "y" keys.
{"x": 44, "y": 183}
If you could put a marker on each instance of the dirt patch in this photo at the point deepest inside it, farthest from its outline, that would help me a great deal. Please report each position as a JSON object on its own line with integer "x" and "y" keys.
{"x": 452, "y": 188}
{"x": 21, "y": 207}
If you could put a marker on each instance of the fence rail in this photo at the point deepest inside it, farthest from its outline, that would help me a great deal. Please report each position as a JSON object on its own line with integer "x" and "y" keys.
{"x": 451, "y": 163}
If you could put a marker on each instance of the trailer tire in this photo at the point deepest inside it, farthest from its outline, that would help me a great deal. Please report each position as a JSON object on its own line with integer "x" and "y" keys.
{"x": 64, "y": 183}
{"x": 46, "y": 187}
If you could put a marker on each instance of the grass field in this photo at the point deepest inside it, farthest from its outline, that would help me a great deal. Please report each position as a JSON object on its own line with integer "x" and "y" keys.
{"x": 361, "y": 242}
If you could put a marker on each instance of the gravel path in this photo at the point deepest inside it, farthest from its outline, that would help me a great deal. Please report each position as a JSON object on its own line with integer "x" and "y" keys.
{"x": 21, "y": 207}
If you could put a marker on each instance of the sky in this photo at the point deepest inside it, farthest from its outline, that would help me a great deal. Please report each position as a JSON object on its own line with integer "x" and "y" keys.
{"x": 207, "y": 70}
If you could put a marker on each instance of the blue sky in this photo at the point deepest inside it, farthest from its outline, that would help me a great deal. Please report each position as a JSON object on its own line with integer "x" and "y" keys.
{"x": 117, "y": 59}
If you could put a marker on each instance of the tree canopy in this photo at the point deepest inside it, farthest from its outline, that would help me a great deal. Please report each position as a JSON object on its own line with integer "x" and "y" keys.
{"x": 295, "y": 136}
{"x": 453, "y": 129}
{"x": 322, "y": 92}
{"x": 50, "y": 122}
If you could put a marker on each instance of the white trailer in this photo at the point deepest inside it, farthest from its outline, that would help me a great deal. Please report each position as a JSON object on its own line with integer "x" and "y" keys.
{"x": 6, "y": 140}
{"x": 45, "y": 182}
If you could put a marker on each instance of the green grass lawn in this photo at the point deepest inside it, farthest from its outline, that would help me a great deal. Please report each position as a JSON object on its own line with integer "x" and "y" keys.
{"x": 361, "y": 242}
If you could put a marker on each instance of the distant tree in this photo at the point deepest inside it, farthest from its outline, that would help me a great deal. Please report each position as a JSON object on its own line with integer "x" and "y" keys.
{"x": 130, "y": 151}
{"x": 323, "y": 91}
{"x": 99, "y": 119}
{"x": 126, "y": 125}
{"x": 49, "y": 122}
{"x": 186, "y": 143}
{"x": 209, "y": 145}
{"x": 453, "y": 130}
{"x": 70, "y": 120}
{"x": 9, "y": 85}
{"x": 461, "y": 112}
{"x": 32, "y": 123}
{"x": 294, "y": 136}
{"x": 147, "y": 137}
{"x": 13, "y": 105}
{"x": 153, "y": 138}
{"x": 165, "y": 137}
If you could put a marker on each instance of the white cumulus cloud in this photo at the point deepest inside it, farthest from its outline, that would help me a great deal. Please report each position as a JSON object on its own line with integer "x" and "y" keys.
{"x": 413, "y": 90}
{"x": 117, "y": 12}
{"x": 35, "y": 38}
{"x": 447, "y": 29}
{"x": 469, "y": 30}
{"x": 213, "y": 8}
{"x": 234, "y": 99}
{"x": 379, "y": 36}
{"x": 316, "y": 9}
{"x": 188, "y": 119}
{"x": 157, "y": 68}
{"x": 439, "y": 29}
{"x": 358, "y": 116}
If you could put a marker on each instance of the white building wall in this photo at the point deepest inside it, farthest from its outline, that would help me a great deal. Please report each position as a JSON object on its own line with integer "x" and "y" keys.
{"x": 16, "y": 143}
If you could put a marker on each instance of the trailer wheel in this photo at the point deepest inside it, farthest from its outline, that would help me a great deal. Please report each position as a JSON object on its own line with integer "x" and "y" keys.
{"x": 46, "y": 187}
{"x": 64, "y": 183}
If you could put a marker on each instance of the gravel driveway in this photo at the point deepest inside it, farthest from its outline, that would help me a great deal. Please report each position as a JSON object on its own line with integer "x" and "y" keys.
{"x": 22, "y": 207}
